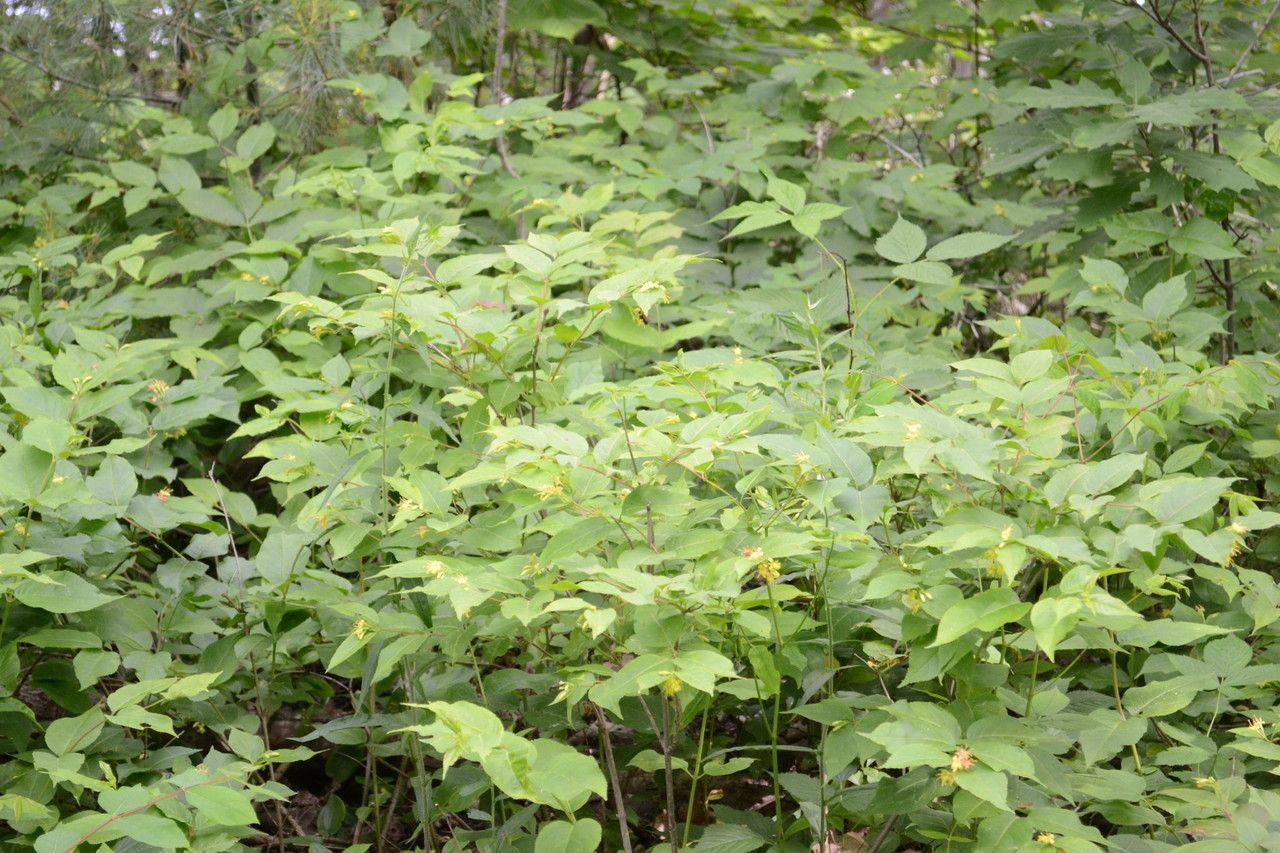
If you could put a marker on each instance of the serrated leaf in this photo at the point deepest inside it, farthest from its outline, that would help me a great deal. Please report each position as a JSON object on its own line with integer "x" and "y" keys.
{"x": 966, "y": 246}
{"x": 903, "y": 244}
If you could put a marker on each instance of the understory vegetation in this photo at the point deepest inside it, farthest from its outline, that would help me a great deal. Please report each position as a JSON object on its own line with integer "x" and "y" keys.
{"x": 574, "y": 425}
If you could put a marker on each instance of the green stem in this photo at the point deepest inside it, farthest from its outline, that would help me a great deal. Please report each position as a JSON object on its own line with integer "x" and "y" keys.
{"x": 777, "y": 713}
{"x": 697, "y": 774}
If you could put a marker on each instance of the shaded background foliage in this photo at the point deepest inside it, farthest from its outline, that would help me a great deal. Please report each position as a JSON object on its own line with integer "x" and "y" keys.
{"x": 574, "y": 425}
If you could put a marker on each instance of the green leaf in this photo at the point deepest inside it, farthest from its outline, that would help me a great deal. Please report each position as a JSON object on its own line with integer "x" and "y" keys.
{"x": 1052, "y": 620}
{"x": 221, "y": 806}
{"x": 925, "y": 734}
{"x": 24, "y": 473}
{"x": 556, "y": 18}
{"x": 985, "y": 611}
{"x": 74, "y": 734}
{"x": 925, "y": 272}
{"x": 636, "y": 676}
{"x": 563, "y": 777}
{"x": 223, "y": 122}
{"x": 966, "y": 246}
{"x": 812, "y": 215}
{"x": 1105, "y": 273}
{"x": 729, "y": 838}
{"x": 255, "y": 142}
{"x": 757, "y": 221}
{"x": 208, "y": 205}
{"x": 1092, "y": 478}
{"x": 114, "y": 483}
{"x": 985, "y": 784}
{"x": 1061, "y": 95}
{"x": 903, "y": 244}
{"x": 1178, "y": 501}
{"x": 1163, "y": 301}
{"x": 1203, "y": 239}
{"x": 560, "y": 836}
{"x": 577, "y": 538}
{"x": 844, "y": 457}
{"x": 1107, "y": 732}
{"x": 764, "y": 669}
{"x": 1161, "y": 698}
{"x": 701, "y": 668}
{"x": 790, "y": 196}
{"x": 68, "y": 593}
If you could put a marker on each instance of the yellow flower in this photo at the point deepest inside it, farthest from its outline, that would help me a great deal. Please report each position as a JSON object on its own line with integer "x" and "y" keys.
{"x": 769, "y": 570}
{"x": 670, "y": 685}
{"x": 946, "y": 777}
{"x": 360, "y": 628}
{"x": 1046, "y": 838}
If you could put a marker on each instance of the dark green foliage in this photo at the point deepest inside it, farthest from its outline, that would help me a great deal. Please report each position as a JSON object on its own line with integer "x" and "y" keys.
{"x": 733, "y": 426}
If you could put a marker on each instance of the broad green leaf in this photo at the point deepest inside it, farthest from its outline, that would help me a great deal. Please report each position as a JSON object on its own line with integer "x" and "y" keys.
{"x": 730, "y": 838}
{"x": 1061, "y": 95}
{"x": 221, "y": 806}
{"x": 562, "y": 776}
{"x": 24, "y": 472}
{"x": 255, "y": 142}
{"x": 634, "y": 678}
{"x": 561, "y": 836}
{"x": 1161, "y": 698}
{"x": 1178, "y": 501}
{"x": 925, "y": 272}
{"x": 1161, "y": 302}
{"x": 74, "y": 734}
{"x": 985, "y": 784}
{"x": 577, "y": 538}
{"x": 902, "y": 244}
{"x": 1107, "y": 732}
{"x": 926, "y": 734}
{"x": 985, "y": 611}
{"x": 556, "y": 18}
{"x": 208, "y": 205}
{"x": 966, "y": 246}
{"x": 68, "y": 593}
{"x": 1052, "y": 620}
{"x": 1205, "y": 240}
{"x": 223, "y": 122}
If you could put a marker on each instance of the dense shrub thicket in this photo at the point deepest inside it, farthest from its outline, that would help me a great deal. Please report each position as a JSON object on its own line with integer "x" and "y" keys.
{"x": 557, "y": 425}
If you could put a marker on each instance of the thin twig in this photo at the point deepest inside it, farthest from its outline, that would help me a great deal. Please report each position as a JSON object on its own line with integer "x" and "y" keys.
{"x": 1235, "y": 69}
{"x": 620, "y": 805}
{"x": 499, "y": 95}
